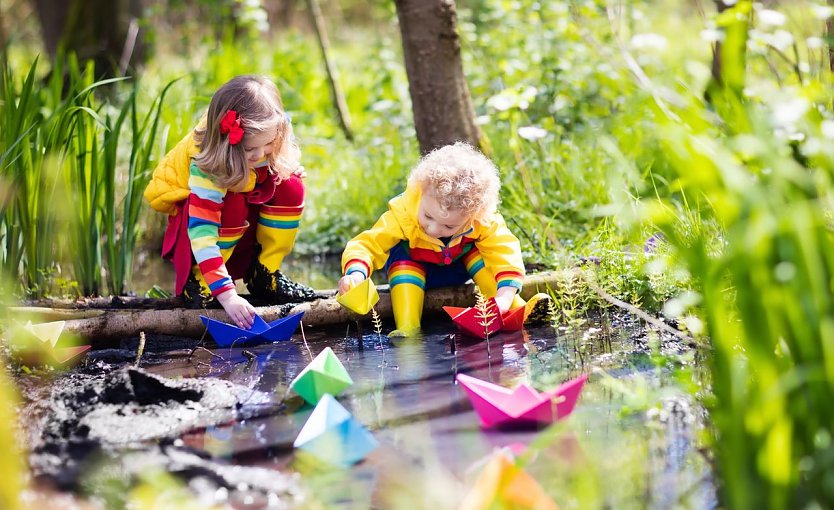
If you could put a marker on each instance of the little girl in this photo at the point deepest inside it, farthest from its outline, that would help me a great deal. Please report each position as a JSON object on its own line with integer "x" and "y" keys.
{"x": 443, "y": 230}
{"x": 234, "y": 195}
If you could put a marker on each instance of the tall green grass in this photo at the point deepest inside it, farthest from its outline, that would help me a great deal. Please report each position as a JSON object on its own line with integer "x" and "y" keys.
{"x": 60, "y": 158}
{"x": 761, "y": 170}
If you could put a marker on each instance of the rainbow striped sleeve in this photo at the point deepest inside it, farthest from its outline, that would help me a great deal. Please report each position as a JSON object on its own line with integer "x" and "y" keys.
{"x": 357, "y": 266}
{"x": 204, "y": 206}
{"x": 509, "y": 279}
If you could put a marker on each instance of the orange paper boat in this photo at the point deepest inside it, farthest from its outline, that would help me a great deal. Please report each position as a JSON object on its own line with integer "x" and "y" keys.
{"x": 503, "y": 484}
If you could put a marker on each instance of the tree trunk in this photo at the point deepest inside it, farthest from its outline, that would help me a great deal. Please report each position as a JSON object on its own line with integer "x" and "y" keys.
{"x": 442, "y": 107}
{"x": 98, "y": 30}
{"x": 716, "y": 49}
{"x": 829, "y": 32}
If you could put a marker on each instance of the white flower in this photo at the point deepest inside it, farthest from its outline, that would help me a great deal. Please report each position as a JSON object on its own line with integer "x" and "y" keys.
{"x": 712, "y": 35}
{"x": 822, "y": 12}
{"x": 827, "y": 128}
{"x": 648, "y": 41}
{"x": 771, "y": 18}
{"x": 500, "y": 102}
{"x": 482, "y": 120}
{"x": 532, "y": 133}
{"x": 781, "y": 40}
{"x": 559, "y": 103}
{"x": 814, "y": 43}
{"x": 786, "y": 113}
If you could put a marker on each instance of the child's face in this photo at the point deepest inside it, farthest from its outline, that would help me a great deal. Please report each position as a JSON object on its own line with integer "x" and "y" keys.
{"x": 435, "y": 222}
{"x": 259, "y": 145}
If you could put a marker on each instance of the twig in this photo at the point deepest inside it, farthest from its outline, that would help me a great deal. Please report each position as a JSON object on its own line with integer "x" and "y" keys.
{"x": 342, "y": 112}
{"x": 141, "y": 349}
{"x": 633, "y": 309}
{"x": 304, "y": 339}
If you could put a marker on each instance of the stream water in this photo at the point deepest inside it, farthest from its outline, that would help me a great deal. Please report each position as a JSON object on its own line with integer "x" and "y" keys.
{"x": 632, "y": 441}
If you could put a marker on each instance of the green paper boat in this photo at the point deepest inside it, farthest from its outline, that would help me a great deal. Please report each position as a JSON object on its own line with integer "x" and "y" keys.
{"x": 325, "y": 375}
{"x": 361, "y": 298}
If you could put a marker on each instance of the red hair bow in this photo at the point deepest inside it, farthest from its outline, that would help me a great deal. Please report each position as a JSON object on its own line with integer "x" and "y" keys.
{"x": 230, "y": 123}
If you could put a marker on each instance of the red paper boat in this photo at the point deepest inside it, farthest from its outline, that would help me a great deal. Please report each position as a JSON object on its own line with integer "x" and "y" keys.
{"x": 522, "y": 407}
{"x": 471, "y": 321}
{"x": 63, "y": 355}
{"x": 513, "y": 319}
{"x": 226, "y": 335}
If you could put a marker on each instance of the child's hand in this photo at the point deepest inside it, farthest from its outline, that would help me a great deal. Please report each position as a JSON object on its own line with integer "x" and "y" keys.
{"x": 347, "y": 282}
{"x": 238, "y": 309}
{"x": 504, "y": 298}
{"x": 300, "y": 172}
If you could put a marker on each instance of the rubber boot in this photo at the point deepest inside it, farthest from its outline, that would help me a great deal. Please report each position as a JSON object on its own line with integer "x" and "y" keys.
{"x": 407, "y": 281}
{"x": 276, "y": 231}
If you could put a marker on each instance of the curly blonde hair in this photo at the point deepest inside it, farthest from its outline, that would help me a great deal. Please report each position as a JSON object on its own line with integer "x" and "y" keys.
{"x": 460, "y": 178}
{"x": 258, "y": 104}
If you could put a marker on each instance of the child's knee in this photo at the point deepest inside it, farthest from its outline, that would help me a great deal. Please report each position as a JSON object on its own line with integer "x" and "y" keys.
{"x": 289, "y": 193}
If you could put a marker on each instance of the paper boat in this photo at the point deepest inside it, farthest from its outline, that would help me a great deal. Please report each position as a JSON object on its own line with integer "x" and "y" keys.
{"x": 334, "y": 435}
{"x": 324, "y": 375}
{"x": 514, "y": 319}
{"x": 503, "y": 484}
{"x": 226, "y": 335}
{"x": 470, "y": 319}
{"x": 48, "y": 333}
{"x": 361, "y": 298}
{"x": 522, "y": 407}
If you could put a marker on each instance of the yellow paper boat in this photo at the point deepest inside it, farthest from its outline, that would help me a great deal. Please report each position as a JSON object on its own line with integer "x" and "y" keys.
{"x": 503, "y": 484}
{"x": 47, "y": 332}
{"x": 361, "y": 298}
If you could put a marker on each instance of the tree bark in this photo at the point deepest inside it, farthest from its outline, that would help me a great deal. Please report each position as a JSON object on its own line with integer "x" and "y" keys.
{"x": 100, "y": 325}
{"x": 829, "y": 32}
{"x": 441, "y": 103}
{"x": 716, "y": 49}
{"x": 95, "y": 30}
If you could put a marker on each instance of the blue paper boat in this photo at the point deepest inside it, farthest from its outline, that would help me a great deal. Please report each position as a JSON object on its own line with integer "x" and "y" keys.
{"x": 261, "y": 332}
{"x": 333, "y": 435}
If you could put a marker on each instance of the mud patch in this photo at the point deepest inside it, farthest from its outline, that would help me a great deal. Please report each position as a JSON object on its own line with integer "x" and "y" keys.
{"x": 128, "y": 420}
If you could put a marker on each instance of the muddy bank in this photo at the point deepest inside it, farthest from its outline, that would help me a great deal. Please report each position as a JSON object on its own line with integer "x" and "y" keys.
{"x": 107, "y": 425}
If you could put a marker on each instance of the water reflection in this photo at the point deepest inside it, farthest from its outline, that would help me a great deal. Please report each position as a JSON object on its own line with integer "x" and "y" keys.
{"x": 431, "y": 442}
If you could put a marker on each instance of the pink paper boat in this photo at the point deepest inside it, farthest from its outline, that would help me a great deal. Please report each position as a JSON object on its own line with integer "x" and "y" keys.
{"x": 522, "y": 407}
{"x": 470, "y": 320}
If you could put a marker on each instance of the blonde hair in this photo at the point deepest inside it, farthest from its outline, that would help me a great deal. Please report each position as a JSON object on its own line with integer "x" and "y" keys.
{"x": 258, "y": 105}
{"x": 460, "y": 178}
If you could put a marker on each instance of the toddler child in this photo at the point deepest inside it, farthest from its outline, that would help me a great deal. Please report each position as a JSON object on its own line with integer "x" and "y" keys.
{"x": 443, "y": 230}
{"x": 234, "y": 194}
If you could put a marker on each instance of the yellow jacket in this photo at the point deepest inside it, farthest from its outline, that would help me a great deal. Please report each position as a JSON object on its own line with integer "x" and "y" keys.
{"x": 169, "y": 183}
{"x": 499, "y": 248}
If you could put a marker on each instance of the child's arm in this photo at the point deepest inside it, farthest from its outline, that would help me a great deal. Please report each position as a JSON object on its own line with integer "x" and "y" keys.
{"x": 501, "y": 252}
{"x": 204, "y": 208}
{"x": 369, "y": 250}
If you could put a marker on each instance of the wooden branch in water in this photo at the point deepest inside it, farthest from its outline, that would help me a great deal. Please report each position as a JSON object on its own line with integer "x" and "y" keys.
{"x": 121, "y": 323}
{"x": 633, "y": 309}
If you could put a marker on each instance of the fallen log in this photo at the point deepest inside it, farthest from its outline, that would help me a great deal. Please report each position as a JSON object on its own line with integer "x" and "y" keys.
{"x": 102, "y": 324}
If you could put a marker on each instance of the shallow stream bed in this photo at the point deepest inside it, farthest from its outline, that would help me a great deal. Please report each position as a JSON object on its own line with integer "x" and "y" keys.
{"x": 223, "y": 420}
